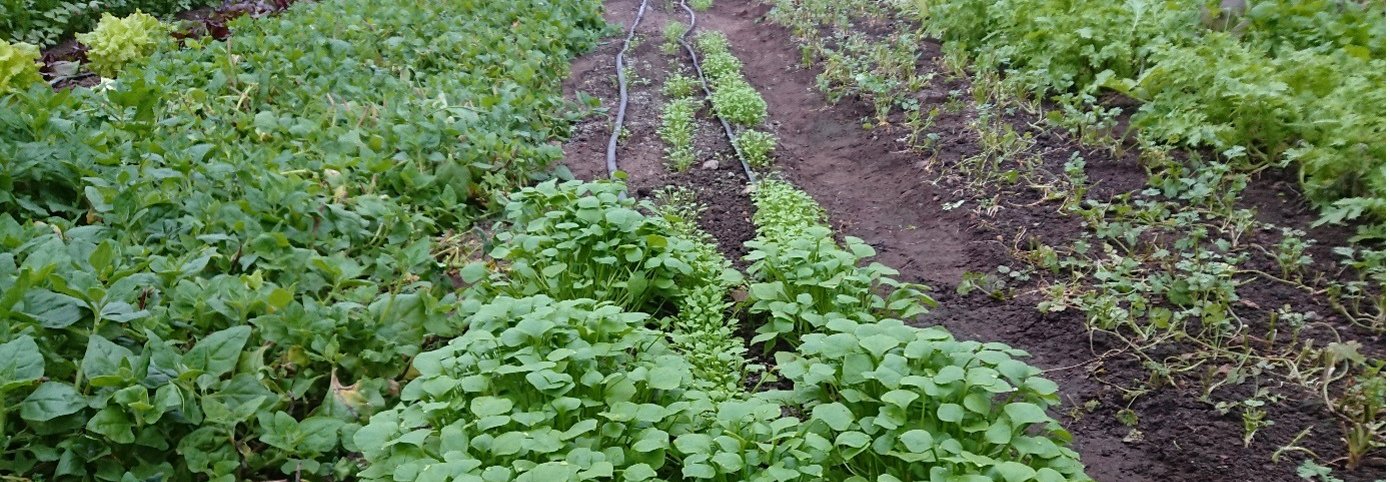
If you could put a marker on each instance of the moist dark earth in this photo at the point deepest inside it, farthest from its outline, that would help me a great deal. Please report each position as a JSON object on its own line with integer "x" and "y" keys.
{"x": 875, "y": 189}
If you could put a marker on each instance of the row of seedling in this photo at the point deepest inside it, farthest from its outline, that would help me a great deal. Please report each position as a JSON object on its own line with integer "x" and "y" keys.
{"x": 731, "y": 96}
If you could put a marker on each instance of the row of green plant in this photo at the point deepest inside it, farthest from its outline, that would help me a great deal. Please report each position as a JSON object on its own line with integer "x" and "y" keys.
{"x": 1300, "y": 83}
{"x": 1285, "y": 83}
{"x": 961, "y": 410}
{"x": 734, "y": 99}
{"x": 219, "y": 264}
{"x": 678, "y": 120}
{"x": 47, "y": 22}
{"x": 617, "y": 363}
{"x": 1162, "y": 268}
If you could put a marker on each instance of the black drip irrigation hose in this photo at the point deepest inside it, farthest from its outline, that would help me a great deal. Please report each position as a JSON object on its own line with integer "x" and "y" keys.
{"x": 622, "y": 94}
{"x": 695, "y": 59}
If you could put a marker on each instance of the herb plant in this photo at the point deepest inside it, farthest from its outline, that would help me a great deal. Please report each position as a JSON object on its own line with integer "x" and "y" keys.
{"x": 756, "y": 147}
{"x": 738, "y": 102}
{"x": 678, "y": 130}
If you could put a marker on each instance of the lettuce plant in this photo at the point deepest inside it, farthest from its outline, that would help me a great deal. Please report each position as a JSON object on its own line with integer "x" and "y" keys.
{"x": 118, "y": 41}
{"x": 679, "y": 85}
{"x": 19, "y": 66}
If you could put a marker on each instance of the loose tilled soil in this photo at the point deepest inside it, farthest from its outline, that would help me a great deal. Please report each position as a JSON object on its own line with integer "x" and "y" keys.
{"x": 876, "y": 190}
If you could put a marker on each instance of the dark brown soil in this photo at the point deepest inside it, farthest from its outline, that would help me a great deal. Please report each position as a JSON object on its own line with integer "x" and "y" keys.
{"x": 641, "y": 153}
{"x": 893, "y": 198}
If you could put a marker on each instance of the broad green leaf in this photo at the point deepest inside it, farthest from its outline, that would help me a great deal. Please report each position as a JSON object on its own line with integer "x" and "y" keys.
{"x": 112, "y": 423}
{"x": 1025, "y": 413}
{"x": 664, "y": 378}
{"x": 1014, "y": 472}
{"x": 103, "y": 357}
{"x": 949, "y": 374}
{"x": 639, "y": 472}
{"x": 950, "y": 412}
{"x": 489, "y": 406}
{"x": 217, "y": 353}
{"x": 51, "y": 400}
{"x": 878, "y": 344}
{"x": 318, "y": 434}
{"x": 53, "y": 310}
{"x": 916, "y": 440}
{"x": 837, "y": 416}
{"x": 853, "y": 439}
{"x": 20, "y": 362}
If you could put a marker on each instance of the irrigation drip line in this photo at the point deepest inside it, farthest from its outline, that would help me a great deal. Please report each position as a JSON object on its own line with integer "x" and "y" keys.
{"x": 622, "y": 93}
{"x": 612, "y": 154}
{"x": 704, "y": 84}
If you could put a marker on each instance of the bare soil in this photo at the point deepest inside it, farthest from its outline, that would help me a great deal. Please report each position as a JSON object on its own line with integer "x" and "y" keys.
{"x": 875, "y": 189}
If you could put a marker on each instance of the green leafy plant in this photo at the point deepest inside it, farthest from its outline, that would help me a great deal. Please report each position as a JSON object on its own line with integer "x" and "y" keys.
{"x": 576, "y": 240}
{"x": 679, "y": 86}
{"x": 801, "y": 278}
{"x": 118, "y": 41}
{"x": 47, "y": 22}
{"x": 19, "y": 66}
{"x": 738, "y": 102}
{"x": 536, "y": 389}
{"x": 756, "y": 147}
{"x": 1362, "y": 409}
{"x": 914, "y": 404}
{"x": 1271, "y": 93}
{"x": 734, "y": 98}
{"x": 678, "y": 130}
{"x": 178, "y": 277}
{"x": 702, "y": 329}
{"x": 672, "y": 33}
{"x": 717, "y": 61}
{"x": 1310, "y": 470}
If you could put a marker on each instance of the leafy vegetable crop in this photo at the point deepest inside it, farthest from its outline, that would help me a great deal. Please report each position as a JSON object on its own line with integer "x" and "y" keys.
{"x": 118, "y": 41}
{"x": 678, "y": 130}
{"x": 535, "y": 390}
{"x": 566, "y": 387}
{"x": 756, "y": 147}
{"x": 901, "y": 402}
{"x": 19, "y": 66}
{"x": 734, "y": 98}
{"x": 46, "y": 22}
{"x": 221, "y": 263}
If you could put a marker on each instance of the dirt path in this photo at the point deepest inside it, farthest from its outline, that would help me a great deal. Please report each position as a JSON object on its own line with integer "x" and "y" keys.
{"x": 876, "y": 191}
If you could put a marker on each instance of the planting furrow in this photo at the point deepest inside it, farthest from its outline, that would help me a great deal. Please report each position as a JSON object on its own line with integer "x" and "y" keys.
{"x": 621, "y": 73}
